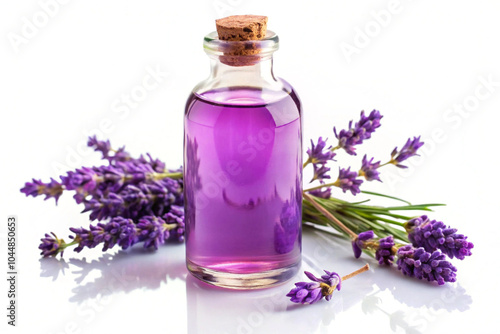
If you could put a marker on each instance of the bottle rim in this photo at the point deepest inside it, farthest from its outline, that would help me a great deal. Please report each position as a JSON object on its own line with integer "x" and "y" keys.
{"x": 263, "y": 47}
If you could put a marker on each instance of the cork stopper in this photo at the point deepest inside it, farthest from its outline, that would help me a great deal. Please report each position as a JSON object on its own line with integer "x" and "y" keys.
{"x": 242, "y": 30}
{"x": 241, "y": 27}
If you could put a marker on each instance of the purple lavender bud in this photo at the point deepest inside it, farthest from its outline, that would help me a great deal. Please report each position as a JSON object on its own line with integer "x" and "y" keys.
{"x": 103, "y": 146}
{"x": 53, "y": 189}
{"x": 362, "y": 130}
{"x": 51, "y": 245}
{"x": 347, "y": 180}
{"x": 135, "y": 201}
{"x": 176, "y": 216}
{"x": 312, "y": 292}
{"x": 118, "y": 230}
{"x": 369, "y": 169}
{"x": 306, "y": 293}
{"x": 359, "y": 243}
{"x": 320, "y": 172}
{"x": 433, "y": 235}
{"x": 384, "y": 253}
{"x": 154, "y": 231}
{"x": 318, "y": 154}
{"x": 333, "y": 280}
{"x": 416, "y": 262}
{"x": 408, "y": 150}
{"x": 322, "y": 192}
{"x": 84, "y": 179}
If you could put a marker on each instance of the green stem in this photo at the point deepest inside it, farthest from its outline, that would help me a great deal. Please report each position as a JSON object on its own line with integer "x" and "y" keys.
{"x": 161, "y": 176}
{"x": 330, "y": 216}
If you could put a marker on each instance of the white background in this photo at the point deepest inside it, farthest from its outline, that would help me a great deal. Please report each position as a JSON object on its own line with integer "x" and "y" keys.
{"x": 67, "y": 77}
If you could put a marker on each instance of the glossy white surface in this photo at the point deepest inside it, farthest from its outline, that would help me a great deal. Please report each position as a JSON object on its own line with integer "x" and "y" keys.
{"x": 73, "y": 76}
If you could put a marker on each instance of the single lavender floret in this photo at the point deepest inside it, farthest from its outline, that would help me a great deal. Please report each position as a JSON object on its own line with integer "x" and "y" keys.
{"x": 318, "y": 154}
{"x": 417, "y": 262}
{"x": 409, "y": 150}
{"x": 320, "y": 172}
{"x": 362, "y": 130}
{"x": 359, "y": 243}
{"x": 433, "y": 235}
{"x": 369, "y": 169}
{"x": 312, "y": 292}
{"x": 385, "y": 251}
{"x": 347, "y": 180}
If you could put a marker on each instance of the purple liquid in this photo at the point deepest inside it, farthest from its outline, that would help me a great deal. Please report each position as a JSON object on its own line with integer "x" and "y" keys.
{"x": 243, "y": 180}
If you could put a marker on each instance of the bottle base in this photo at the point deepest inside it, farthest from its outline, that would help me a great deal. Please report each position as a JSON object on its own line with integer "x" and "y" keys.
{"x": 248, "y": 281}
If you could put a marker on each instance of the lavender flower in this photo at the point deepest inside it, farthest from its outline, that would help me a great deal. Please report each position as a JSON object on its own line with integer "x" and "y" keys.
{"x": 134, "y": 201}
{"x": 385, "y": 251}
{"x": 151, "y": 230}
{"x": 317, "y": 153}
{"x": 433, "y": 235}
{"x": 118, "y": 230}
{"x": 358, "y": 244}
{"x": 362, "y": 130}
{"x": 154, "y": 231}
{"x": 425, "y": 265}
{"x": 369, "y": 169}
{"x": 51, "y": 245}
{"x": 347, "y": 180}
{"x": 120, "y": 155}
{"x": 320, "y": 172}
{"x": 408, "y": 150}
{"x": 312, "y": 292}
{"x": 53, "y": 189}
{"x": 322, "y": 192}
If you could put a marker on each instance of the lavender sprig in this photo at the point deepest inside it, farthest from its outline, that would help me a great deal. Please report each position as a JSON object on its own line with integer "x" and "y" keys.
{"x": 384, "y": 248}
{"x": 361, "y": 131}
{"x": 409, "y": 150}
{"x": 369, "y": 169}
{"x": 151, "y": 230}
{"x": 433, "y": 235}
{"x": 348, "y": 181}
{"x": 52, "y": 189}
{"x": 417, "y": 262}
{"x": 319, "y": 153}
{"x": 312, "y": 292}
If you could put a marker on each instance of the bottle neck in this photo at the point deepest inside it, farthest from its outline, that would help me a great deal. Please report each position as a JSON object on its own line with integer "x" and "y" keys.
{"x": 258, "y": 74}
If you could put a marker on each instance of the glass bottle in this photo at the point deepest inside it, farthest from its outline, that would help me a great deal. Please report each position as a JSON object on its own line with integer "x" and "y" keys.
{"x": 243, "y": 169}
